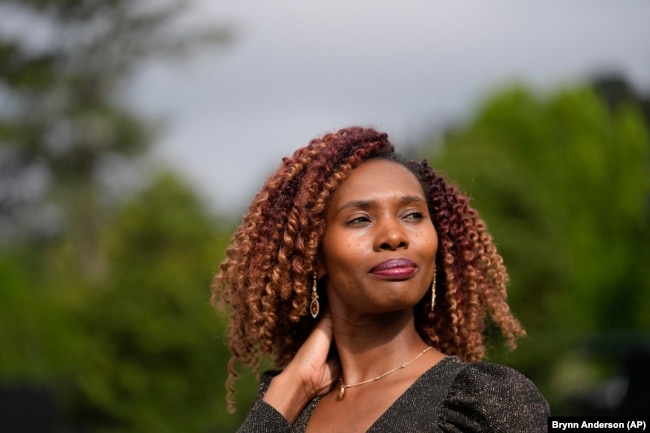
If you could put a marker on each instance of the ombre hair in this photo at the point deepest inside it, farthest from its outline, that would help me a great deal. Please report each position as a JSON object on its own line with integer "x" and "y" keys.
{"x": 265, "y": 279}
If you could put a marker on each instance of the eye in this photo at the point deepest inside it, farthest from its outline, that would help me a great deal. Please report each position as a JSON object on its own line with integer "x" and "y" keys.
{"x": 361, "y": 219}
{"x": 415, "y": 215}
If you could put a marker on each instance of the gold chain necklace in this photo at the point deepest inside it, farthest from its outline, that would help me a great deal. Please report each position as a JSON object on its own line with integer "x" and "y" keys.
{"x": 343, "y": 386}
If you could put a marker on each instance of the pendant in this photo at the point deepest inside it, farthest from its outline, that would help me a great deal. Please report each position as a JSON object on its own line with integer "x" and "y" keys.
{"x": 314, "y": 307}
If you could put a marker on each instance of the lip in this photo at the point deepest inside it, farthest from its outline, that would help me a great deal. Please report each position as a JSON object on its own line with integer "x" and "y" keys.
{"x": 394, "y": 269}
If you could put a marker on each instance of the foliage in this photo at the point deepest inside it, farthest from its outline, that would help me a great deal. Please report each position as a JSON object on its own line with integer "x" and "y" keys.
{"x": 563, "y": 183}
{"x": 103, "y": 294}
{"x": 153, "y": 362}
{"x": 143, "y": 351}
{"x": 65, "y": 129}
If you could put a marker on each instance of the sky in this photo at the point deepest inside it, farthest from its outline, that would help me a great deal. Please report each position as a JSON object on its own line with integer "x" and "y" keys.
{"x": 297, "y": 69}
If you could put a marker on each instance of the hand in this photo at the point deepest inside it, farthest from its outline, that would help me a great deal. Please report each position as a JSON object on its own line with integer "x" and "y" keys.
{"x": 310, "y": 365}
{"x": 308, "y": 375}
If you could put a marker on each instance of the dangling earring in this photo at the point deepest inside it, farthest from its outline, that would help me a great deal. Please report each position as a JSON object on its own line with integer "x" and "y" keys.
{"x": 433, "y": 290}
{"x": 314, "y": 306}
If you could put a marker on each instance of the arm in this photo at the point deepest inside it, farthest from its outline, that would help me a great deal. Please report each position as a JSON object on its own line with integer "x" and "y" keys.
{"x": 264, "y": 418}
{"x": 308, "y": 375}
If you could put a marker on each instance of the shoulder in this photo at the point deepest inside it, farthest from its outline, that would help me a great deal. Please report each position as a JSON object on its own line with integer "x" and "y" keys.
{"x": 490, "y": 397}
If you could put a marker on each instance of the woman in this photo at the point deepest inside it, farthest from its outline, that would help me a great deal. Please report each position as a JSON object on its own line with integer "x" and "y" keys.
{"x": 369, "y": 280}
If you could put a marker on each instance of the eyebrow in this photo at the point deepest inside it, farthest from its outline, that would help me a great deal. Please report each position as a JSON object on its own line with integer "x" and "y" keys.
{"x": 367, "y": 204}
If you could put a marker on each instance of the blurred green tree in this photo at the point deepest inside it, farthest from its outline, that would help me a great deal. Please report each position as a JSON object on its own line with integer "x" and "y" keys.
{"x": 142, "y": 351}
{"x": 563, "y": 183}
{"x": 65, "y": 128}
{"x": 152, "y": 356}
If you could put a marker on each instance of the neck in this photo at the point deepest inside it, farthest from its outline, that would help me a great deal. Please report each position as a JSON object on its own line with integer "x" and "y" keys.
{"x": 369, "y": 346}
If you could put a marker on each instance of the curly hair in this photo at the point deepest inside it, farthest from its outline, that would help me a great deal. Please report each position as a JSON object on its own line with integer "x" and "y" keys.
{"x": 265, "y": 278}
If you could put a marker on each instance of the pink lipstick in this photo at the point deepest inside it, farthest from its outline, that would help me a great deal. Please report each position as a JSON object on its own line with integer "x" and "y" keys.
{"x": 394, "y": 269}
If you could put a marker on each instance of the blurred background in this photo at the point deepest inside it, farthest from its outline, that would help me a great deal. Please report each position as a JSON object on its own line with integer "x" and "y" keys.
{"x": 133, "y": 134}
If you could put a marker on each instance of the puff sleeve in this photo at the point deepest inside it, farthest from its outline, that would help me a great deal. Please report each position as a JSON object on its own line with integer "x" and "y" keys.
{"x": 487, "y": 397}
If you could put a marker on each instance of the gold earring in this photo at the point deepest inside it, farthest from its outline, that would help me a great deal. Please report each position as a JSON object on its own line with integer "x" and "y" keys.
{"x": 433, "y": 290}
{"x": 314, "y": 306}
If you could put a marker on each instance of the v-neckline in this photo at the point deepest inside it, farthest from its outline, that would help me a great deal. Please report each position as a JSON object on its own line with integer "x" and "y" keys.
{"x": 312, "y": 406}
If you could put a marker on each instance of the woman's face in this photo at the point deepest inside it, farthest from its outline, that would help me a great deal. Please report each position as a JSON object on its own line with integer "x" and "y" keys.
{"x": 379, "y": 247}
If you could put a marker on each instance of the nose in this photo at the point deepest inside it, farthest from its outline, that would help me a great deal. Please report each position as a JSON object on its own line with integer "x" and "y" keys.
{"x": 391, "y": 236}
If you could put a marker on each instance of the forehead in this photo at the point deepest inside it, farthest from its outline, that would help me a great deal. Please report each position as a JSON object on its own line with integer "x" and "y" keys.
{"x": 378, "y": 178}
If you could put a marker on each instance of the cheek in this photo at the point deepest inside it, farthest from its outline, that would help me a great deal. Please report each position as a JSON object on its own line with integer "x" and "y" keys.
{"x": 336, "y": 252}
{"x": 429, "y": 241}
{"x": 348, "y": 253}
{"x": 433, "y": 240}
{"x": 349, "y": 246}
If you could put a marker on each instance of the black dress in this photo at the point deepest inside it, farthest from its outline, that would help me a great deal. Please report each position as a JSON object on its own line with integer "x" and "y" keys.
{"x": 452, "y": 396}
